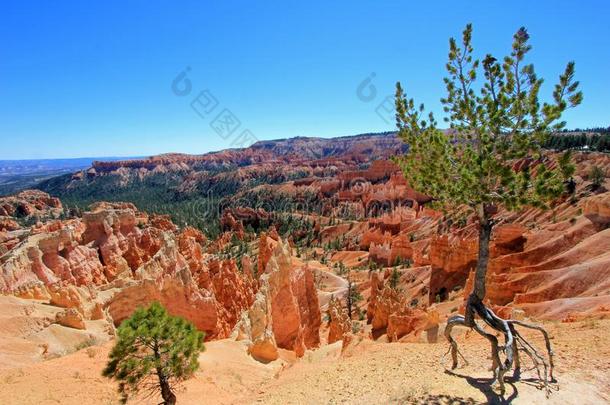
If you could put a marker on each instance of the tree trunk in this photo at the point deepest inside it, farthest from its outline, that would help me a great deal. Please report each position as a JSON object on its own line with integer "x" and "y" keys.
{"x": 480, "y": 274}
{"x": 349, "y": 299}
{"x": 166, "y": 392}
{"x": 475, "y": 300}
{"x": 514, "y": 341}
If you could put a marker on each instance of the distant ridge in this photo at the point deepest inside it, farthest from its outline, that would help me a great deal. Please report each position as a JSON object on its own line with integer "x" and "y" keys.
{"x": 17, "y": 175}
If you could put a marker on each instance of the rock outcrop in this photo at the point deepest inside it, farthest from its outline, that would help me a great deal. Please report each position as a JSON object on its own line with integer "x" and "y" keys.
{"x": 393, "y": 312}
{"x": 8, "y": 224}
{"x": 71, "y": 318}
{"x": 125, "y": 261}
{"x": 30, "y": 203}
{"x": 285, "y": 312}
{"x": 597, "y": 209}
{"x": 122, "y": 246}
{"x": 339, "y": 324}
{"x": 211, "y": 297}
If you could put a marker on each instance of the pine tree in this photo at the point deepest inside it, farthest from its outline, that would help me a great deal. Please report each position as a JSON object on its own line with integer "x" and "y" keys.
{"x": 603, "y": 143}
{"x": 154, "y": 352}
{"x": 491, "y": 157}
{"x": 394, "y": 278}
{"x": 596, "y": 177}
{"x": 567, "y": 169}
{"x": 353, "y": 297}
{"x": 341, "y": 268}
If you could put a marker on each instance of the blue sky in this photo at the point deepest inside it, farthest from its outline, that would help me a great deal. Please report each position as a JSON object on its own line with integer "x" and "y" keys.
{"x": 85, "y": 79}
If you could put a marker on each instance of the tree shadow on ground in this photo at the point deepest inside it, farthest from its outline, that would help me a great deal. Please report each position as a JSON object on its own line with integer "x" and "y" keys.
{"x": 439, "y": 399}
{"x": 484, "y": 385}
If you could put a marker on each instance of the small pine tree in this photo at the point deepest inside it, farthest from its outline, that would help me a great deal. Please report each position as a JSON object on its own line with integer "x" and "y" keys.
{"x": 394, "y": 279}
{"x": 154, "y": 351}
{"x": 342, "y": 268}
{"x": 567, "y": 169}
{"x": 597, "y": 177}
{"x": 353, "y": 297}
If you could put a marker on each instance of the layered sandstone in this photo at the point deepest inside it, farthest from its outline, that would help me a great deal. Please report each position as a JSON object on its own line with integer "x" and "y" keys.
{"x": 393, "y": 311}
{"x": 30, "y": 203}
{"x": 123, "y": 261}
{"x": 285, "y": 312}
{"x": 339, "y": 324}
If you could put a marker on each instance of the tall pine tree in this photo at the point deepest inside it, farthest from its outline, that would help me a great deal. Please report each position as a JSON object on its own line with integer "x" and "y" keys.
{"x": 490, "y": 157}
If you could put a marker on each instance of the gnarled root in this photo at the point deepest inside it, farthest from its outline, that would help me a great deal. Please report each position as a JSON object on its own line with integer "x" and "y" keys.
{"x": 514, "y": 343}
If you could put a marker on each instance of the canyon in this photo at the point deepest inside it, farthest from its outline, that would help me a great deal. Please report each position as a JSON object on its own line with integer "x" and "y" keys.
{"x": 260, "y": 247}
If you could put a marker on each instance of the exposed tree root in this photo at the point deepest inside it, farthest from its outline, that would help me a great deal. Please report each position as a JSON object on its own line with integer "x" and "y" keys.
{"x": 514, "y": 343}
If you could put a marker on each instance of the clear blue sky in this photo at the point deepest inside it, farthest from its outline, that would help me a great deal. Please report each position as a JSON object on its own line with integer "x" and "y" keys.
{"x": 85, "y": 79}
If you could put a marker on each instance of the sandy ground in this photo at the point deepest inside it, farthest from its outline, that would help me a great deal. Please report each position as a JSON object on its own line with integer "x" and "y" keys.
{"x": 368, "y": 372}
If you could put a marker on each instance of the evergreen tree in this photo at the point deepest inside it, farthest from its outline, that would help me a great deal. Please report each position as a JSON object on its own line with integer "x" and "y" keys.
{"x": 154, "y": 352}
{"x": 341, "y": 268}
{"x": 596, "y": 177}
{"x": 603, "y": 143}
{"x": 394, "y": 279}
{"x": 567, "y": 169}
{"x": 495, "y": 127}
{"x": 353, "y": 297}
{"x": 372, "y": 265}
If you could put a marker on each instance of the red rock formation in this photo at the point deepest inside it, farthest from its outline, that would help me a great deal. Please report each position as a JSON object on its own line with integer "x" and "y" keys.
{"x": 28, "y": 203}
{"x": 47, "y": 258}
{"x": 391, "y": 252}
{"x": 67, "y": 297}
{"x": 374, "y": 236}
{"x": 285, "y": 312}
{"x": 507, "y": 239}
{"x": 7, "y": 224}
{"x": 228, "y": 222}
{"x": 550, "y": 264}
{"x": 123, "y": 247}
{"x": 401, "y": 249}
{"x": 190, "y": 244}
{"x": 597, "y": 209}
{"x": 339, "y": 324}
{"x": 390, "y": 311}
{"x": 141, "y": 263}
{"x": 233, "y": 291}
{"x": 387, "y": 303}
{"x": 71, "y": 318}
{"x": 237, "y": 218}
{"x": 409, "y": 323}
{"x": 376, "y": 288}
{"x": 265, "y": 248}
{"x": 162, "y": 222}
{"x": 294, "y": 302}
{"x": 220, "y": 243}
{"x": 212, "y": 302}
{"x": 451, "y": 259}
